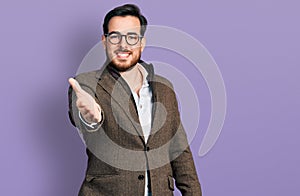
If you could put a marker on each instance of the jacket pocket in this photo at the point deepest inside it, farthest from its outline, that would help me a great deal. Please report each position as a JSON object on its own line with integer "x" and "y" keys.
{"x": 90, "y": 178}
{"x": 171, "y": 182}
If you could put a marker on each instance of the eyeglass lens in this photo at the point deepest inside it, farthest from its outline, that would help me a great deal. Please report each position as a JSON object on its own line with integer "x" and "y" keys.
{"x": 131, "y": 38}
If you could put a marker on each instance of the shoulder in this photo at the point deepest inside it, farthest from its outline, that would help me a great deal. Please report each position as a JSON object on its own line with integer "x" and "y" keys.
{"x": 87, "y": 77}
{"x": 163, "y": 88}
{"x": 152, "y": 77}
{"x": 162, "y": 81}
{"x": 88, "y": 80}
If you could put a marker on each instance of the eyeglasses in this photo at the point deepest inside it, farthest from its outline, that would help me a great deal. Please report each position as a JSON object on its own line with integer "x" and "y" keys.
{"x": 116, "y": 38}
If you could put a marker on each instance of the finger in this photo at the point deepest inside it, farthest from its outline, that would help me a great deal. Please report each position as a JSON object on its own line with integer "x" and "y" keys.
{"x": 75, "y": 85}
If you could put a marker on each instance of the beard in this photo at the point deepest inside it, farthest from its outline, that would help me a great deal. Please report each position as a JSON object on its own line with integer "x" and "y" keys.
{"x": 122, "y": 65}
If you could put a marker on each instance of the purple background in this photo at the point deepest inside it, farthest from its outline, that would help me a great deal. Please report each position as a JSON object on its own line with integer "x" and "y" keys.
{"x": 255, "y": 43}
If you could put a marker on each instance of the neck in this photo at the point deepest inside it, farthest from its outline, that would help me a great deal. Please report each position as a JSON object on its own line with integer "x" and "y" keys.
{"x": 134, "y": 78}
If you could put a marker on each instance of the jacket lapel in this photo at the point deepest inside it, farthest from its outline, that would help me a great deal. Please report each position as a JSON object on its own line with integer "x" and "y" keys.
{"x": 158, "y": 110}
{"x": 121, "y": 96}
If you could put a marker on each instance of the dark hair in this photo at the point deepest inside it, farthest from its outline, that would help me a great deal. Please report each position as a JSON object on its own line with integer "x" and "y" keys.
{"x": 125, "y": 10}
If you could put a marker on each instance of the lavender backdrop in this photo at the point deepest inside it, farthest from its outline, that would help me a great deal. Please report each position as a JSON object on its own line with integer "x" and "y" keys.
{"x": 255, "y": 43}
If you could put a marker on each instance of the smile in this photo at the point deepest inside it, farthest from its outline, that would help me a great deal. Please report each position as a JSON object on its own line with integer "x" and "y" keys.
{"x": 122, "y": 55}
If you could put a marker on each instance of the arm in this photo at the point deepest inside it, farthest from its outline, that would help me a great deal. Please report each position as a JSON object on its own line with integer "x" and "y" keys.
{"x": 182, "y": 163}
{"x": 183, "y": 167}
{"x": 84, "y": 112}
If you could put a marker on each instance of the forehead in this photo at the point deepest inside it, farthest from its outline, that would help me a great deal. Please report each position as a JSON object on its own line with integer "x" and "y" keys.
{"x": 124, "y": 24}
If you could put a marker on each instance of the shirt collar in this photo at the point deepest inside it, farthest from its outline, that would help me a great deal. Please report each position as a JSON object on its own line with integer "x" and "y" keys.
{"x": 144, "y": 74}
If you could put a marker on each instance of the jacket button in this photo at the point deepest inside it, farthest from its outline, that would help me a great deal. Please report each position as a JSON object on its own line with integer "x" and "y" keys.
{"x": 141, "y": 177}
{"x": 147, "y": 148}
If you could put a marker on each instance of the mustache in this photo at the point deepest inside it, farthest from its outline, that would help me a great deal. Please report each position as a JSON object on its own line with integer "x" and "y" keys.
{"x": 122, "y": 50}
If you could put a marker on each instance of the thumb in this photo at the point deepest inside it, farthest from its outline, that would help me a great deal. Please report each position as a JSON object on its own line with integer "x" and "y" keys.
{"x": 75, "y": 85}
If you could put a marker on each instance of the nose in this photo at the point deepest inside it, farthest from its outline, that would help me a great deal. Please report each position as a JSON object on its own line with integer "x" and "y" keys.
{"x": 123, "y": 42}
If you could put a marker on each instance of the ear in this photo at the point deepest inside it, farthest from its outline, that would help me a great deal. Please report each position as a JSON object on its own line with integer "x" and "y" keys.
{"x": 143, "y": 43}
{"x": 103, "y": 38}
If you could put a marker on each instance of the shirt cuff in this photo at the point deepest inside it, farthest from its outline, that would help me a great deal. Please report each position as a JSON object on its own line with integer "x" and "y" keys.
{"x": 91, "y": 126}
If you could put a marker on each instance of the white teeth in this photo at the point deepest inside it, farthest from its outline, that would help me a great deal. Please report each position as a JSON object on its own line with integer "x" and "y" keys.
{"x": 123, "y": 55}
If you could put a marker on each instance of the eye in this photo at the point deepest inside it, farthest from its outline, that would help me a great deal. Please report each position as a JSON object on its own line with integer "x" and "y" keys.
{"x": 114, "y": 36}
{"x": 132, "y": 37}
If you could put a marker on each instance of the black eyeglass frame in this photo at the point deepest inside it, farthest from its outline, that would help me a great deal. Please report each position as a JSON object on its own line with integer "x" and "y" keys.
{"x": 140, "y": 37}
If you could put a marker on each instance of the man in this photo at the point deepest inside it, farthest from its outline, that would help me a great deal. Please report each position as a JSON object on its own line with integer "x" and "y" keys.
{"x": 129, "y": 119}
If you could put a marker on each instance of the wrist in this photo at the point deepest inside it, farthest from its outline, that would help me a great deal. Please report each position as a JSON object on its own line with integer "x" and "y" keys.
{"x": 92, "y": 125}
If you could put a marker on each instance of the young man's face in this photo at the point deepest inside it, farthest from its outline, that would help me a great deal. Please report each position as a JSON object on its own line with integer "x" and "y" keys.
{"x": 123, "y": 56}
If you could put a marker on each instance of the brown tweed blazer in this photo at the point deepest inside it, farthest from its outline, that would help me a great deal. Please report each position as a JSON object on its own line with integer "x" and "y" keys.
{"x": 117, "y": 153}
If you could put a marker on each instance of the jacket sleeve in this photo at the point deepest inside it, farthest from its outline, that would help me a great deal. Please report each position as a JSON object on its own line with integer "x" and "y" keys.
{"x": 74, "y": 112}
{"x": 184, "y": 171}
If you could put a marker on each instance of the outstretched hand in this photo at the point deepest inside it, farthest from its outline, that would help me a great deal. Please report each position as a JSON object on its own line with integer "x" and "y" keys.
{"x": 86, "y": 104}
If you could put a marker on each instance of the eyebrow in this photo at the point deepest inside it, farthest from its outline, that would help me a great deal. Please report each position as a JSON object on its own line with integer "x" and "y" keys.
{"x": 114, "y": 32}
{"x": 121, "y": 33}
